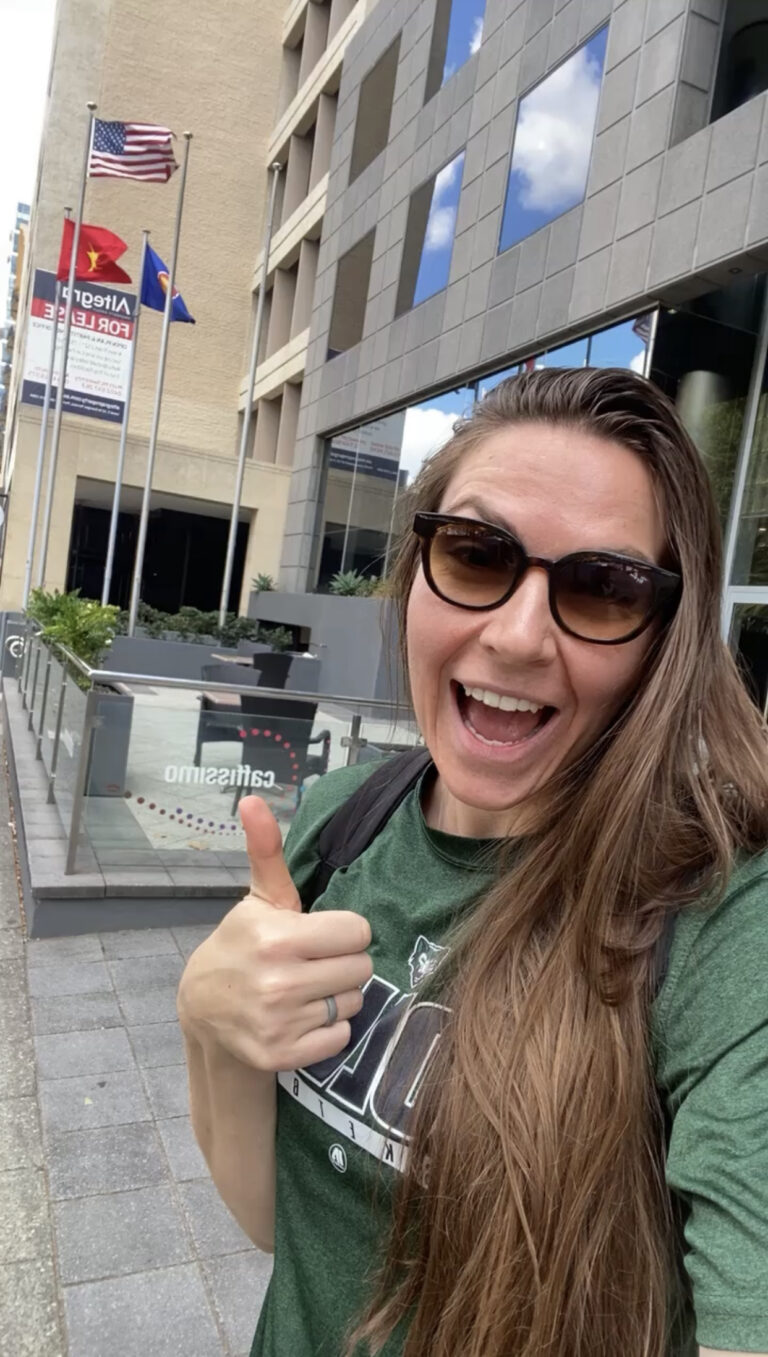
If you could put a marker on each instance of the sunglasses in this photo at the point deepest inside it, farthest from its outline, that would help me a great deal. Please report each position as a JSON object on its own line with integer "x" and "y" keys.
{"x": 598, "y": 596}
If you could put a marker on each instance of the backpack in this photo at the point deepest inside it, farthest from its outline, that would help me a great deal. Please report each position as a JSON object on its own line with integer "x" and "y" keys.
{"x": 354, "y": 826}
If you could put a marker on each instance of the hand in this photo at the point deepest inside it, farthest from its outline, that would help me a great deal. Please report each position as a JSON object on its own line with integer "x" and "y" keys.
{"x": 257, "y": 986}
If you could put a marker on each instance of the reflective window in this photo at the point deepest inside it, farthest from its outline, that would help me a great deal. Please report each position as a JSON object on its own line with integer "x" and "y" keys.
{"x": 702, "y": 359}
{"x": 553, "y": 143}
{"x": 742, "y": 71}
{"x": 621, "y": 346}
{"x": 567, "y": 356}
{"x": 749, "y": 642}
{"x": 487, "y": 384}
{"x": 457, "y": 34}
{"x": 429, "y": 235}
{"x": 367, "y": 469}
{"x": 750, "y": 564}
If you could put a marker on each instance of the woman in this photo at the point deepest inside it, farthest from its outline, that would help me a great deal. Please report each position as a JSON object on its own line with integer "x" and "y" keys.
{"x": 521, "y": 1145}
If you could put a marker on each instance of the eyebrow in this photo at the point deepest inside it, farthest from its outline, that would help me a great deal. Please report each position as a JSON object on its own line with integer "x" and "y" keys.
{"x": 491, "y": 516}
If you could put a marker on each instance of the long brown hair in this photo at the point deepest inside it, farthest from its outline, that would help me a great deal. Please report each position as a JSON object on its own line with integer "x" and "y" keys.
{"x": 533, "y": 1217}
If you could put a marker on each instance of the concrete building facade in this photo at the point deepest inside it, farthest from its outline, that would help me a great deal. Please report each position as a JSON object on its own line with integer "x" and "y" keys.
{"x": 17, "y": 241}
{"x": 182, "y": 67}
{"x": 559, "y": 181}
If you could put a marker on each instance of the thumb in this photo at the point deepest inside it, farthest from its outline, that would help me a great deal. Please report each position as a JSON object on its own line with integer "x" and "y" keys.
{"x": 270, "y": 878}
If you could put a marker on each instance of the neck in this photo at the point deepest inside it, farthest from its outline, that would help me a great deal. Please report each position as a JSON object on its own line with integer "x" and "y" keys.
{"x": 443, "y": 811}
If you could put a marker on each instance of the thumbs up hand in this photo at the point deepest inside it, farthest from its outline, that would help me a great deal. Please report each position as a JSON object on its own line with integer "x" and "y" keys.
{"x": 258, "y": 985}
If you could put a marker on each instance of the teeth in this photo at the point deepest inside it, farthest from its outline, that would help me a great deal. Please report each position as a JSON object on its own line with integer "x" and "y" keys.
{"x": 492, "y": 699}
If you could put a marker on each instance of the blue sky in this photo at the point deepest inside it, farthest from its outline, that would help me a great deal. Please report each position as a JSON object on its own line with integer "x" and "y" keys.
{"x": 465, "y": 33}
{"x": 553, "y": 143}
{"x": 441, "y": 225}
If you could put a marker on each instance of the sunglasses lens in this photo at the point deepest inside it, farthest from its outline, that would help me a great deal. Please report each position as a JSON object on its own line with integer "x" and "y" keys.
{"x": 472, "y": 566}
{"x": 602, "y": 600}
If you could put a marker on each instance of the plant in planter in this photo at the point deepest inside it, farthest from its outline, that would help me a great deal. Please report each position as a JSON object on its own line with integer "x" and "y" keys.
{"x": 263, "y": 584}
{"x": 352, "y": 584}
{"x": 279, "y": 638}
{"x": 81, "y": 624}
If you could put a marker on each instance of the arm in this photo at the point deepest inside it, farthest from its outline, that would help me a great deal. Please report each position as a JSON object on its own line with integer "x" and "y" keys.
{"x": 233, "y": 1108}
{"x": 252, "y": 1002}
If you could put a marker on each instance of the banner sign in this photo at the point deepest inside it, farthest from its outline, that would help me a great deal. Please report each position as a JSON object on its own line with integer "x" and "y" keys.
{"x": 99, "y": 348}
{"x": 375, "y": 448}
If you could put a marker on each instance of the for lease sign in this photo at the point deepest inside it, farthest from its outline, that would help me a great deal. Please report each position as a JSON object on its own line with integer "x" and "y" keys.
{"x": 99, "y": 349}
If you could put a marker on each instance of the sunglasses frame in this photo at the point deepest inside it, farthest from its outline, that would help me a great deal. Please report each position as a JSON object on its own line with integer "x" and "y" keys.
{"x": 666, "y": 584}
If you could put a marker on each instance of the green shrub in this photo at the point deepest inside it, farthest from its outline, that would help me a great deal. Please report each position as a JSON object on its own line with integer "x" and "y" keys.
{"x": 81, "y": 624}
{"x": 263, "y": 584}
{"x": 352, "y": 583}
{"x": 279, "y": 638}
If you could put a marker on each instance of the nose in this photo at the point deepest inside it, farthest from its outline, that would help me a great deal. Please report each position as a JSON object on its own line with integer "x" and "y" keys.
{"x": 523, "y": 628}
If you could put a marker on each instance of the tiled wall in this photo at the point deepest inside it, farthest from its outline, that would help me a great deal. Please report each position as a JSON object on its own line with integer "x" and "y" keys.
{"x": 672, "y": 206}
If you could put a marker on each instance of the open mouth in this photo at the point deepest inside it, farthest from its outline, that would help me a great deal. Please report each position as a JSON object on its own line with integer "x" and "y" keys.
{"x": 500, "y": 720}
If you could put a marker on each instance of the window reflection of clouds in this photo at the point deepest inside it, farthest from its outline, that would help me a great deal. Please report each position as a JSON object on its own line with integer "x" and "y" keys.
{"x": 429, "y": 426}
{"x": 465, "y": 34}
{"x": 435, "y": 263}
{"x": 619, "y": 347}
{"x": 553, "y": 143}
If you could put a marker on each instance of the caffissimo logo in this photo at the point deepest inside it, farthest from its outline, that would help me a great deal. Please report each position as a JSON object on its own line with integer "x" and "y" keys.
{"x": 242, "y": 776}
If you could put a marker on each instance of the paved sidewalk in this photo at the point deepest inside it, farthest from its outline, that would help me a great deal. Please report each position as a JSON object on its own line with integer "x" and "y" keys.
{"x": 112, "y": 1237}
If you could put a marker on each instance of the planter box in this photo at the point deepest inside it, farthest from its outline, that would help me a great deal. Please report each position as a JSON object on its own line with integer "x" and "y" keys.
{"x": 111, "y": 743}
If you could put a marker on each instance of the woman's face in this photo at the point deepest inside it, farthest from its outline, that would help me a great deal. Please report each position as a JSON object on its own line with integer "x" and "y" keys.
{"x": 558, "y": 490}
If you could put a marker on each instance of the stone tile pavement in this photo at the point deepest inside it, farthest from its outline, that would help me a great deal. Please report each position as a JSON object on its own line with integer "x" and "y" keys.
{"x": 112, "y": 1237}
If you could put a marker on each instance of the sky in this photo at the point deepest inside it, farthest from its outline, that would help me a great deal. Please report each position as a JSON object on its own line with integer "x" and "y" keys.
{"x": 26, "y": 31}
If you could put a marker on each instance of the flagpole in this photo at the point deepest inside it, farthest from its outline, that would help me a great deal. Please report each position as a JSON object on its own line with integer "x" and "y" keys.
{"x": 55, "y": 438}
{"x": 123, "y": 434}
{"x": 141, "y": 543}
{"x": 248, "y": 412}
{"x": 41, "y": 445}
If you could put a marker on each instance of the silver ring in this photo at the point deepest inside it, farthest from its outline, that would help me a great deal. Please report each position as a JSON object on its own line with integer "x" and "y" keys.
{"x": 333, "y": 1012}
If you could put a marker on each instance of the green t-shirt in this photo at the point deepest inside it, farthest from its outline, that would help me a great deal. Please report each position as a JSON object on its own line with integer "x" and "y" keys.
{"x": 339, "y": 1131}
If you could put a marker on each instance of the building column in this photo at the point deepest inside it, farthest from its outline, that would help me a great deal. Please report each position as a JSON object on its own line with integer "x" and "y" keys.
{"x": 315, "y": 37}
{"x": 297, "y": 174}
{"x": 289, "y": 420}
{"x": 281, "y": 313}
{"x": 306, "y": 277}
{"x": 324, "y": 130}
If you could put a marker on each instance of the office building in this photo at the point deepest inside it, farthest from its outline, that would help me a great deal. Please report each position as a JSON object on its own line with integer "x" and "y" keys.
{"x": 538, "y": 181}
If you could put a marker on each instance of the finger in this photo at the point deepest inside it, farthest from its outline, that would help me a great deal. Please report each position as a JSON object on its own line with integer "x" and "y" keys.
{"x": 270, "y": 878}
{"x": 316, "y": 1014}
{"x": 321, "y": 1043}
{"x": 332, "y": 933}
{"x": 312, "y": 980}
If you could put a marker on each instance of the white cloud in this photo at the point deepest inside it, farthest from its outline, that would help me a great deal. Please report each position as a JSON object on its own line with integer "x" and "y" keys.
{"x": 440, "y": 227}
{"x": 477, "y": 35}
{"x": 426, "y": 430}
{"x": 637, "y": 364}
{"x": 442, "y": 216}
{"x": 554, "y": 135}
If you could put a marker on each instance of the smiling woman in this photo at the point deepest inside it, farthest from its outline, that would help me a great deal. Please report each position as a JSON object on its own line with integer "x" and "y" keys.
{"x": 521, "y": 1038}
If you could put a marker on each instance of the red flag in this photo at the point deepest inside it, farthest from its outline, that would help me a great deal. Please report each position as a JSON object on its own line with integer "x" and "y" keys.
{"x": 97, "y": 251}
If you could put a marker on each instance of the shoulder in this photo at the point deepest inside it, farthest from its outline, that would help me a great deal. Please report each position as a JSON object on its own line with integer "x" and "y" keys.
{"x": 718, "y": 961}
{"x": 319, "y": 803}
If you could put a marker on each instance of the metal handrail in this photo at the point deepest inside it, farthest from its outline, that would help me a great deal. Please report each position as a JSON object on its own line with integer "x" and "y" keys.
{"x": 111, "y": 676}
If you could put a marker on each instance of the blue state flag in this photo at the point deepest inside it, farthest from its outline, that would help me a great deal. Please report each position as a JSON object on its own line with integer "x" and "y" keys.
{"x": 154, "y": 288}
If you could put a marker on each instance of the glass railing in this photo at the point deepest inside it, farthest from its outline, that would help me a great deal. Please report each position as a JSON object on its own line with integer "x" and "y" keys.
{"x": 147, "y": 772}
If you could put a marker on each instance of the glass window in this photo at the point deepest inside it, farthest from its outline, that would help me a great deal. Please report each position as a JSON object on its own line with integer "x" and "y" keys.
{"x": 750, "y": 564}
{"x": 456, "y": 35}
{"x": 429, "y": 235}
{"x": 742, "y": 71}
{"x": 367, "y": 469}
{"x": 553, "y": 143}
{"x": 567, "y": 356}
{"x": 621, "y": 346}
{"x": 749, "y": 643}
{"x": 374, "y": 111}
{"x": 702, "y": 359}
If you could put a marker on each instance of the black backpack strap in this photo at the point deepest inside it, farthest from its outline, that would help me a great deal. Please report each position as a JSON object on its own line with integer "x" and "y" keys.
{"x": 363, "y": 815}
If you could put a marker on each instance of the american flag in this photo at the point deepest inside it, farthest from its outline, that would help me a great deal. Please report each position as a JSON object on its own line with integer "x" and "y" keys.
{"x": 131, "y": 151}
